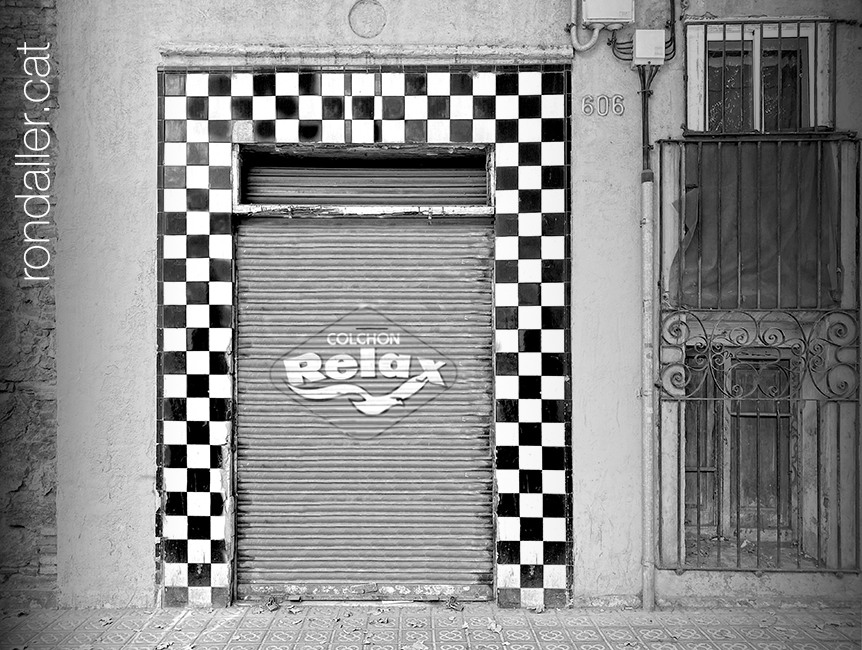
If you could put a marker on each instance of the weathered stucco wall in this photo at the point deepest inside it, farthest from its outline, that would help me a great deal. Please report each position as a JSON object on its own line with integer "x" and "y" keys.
{"x": 27, "y": 367}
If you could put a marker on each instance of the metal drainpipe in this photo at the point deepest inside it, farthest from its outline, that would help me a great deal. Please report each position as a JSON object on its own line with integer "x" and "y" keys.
{"x": 647, "y": 358}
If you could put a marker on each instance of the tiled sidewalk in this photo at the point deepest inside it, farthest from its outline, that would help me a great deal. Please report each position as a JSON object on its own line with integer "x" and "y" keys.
{"x": 428, "y": 627}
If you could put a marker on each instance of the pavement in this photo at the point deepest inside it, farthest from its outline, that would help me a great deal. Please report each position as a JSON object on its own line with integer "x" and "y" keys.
{"x": 301, "y": 626}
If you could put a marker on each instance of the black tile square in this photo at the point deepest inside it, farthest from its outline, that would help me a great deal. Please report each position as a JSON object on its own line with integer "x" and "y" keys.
{"x": 310, "y": 130}
{"x": 461, "y": 131}
{"x": 508, "y": 552}
{"x": 219, "y": 130}
{"x": 507, "y": 178}
{"x": 507, "y": 130}
{"x": 175, "y": 130}
{"x": 508, "y": 505}
{"x": 221, "y": 270}
{"x": 506, "y": 318}
{"x": 415, "y": 83}
{"x": 553, "y": 458}
{"x": 532, "y": 575}
{"x": 219, "y": 85}
{"x": 174, "y": 316}
{"x": 553, "y": 83}
{"x": 198, "y": 479}
{"x": 197, "y": 293}
{"x": 215, "y": 458}
{"x": 509, "y": 598}
{"x": 530, "y": 433}
{"x": 221, "y": 596}
{"x": 507, "y": 84}
{"x": 555, "y": 318}
{"x": 286, "y": 107}
{"x": 530, "y": 387}
{"x": 220, "y": 178}
{"x": 309, "y": 83}
{"x": 530, "y": 154}
{"x": 174, "y": 177}
{"x": 553, "y": 129}
{"x": 218, "y": 551}
{"x": 554, "y": 552}
{"x": 506, "y": 225}
{"x": 554, "y": 271}
{"x": 216, "y": 501}
{"x": 529, "y": 340}
{"x": 529, "y": 294}
{"x": 196, "y": 108}
{"x": 175, "y": 223}
{"x": 220, "y": 223}
{"x": 554, "y": 364}
{"x": 507, "y": 458}
{"x": 530, "y": 200}
{"x": 415, "y": 131}
{"x": 221, "y": 316}
{"x": 198, "y": 385}
{"x": 198, "y": 433}
{"x": 174, "y": 456}
{"x": 438, "y": 108}
{"x": 198, "y": 339}
{"x": 175, "y": 83}
{"x": 333, "y": 108}
{"x": 199, "y": 527}
{"x": 176, "y": 551}
{"x": 378, "y": 130}
{"x": 197, "y": 199}
{"x": 219, "y": 410}
{"x": 174, "y": 270}
{"x": 198, "y": 245}
{"x": 240, "y": 108}
{"x": 484, "y": 107}
{"x": 199, "y": 574}
{"x": 530, "y": 482}
{"x": 197, "y": 153}
{"x": 507, "y": 409}
{"x": 174, "y": 409}
{"x": 175, "y": 502}
{"x": 460, "y": 83}
{"x": 554, "y": 410}
{"x": 531, "y": 527}
{"x": 393, "y": 108}
{"x": 263, "y": 84}
{"x": 173, "y": 363}
{"x": 554, "y": 598}
{"x": 529, "y": 248}
{"x": 264, "y": 130}
{"x": 363, "y": 108}
{"x": 176, "y": 596}
{"x": 553, "y": 178}
{"x": 506, "y": 270}
{"x": 529, "y": 106}
{"x": 218, "y": 363}
{"x": 554, "y": 224}
{"x": 507, "y": 363}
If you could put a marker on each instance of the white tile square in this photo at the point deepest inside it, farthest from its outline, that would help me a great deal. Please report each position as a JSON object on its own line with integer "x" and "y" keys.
{"x": 530, "y": 83}
{"x": 392, "y": 84}
{"x": 484, "y": 130}
{"x": 530, "y": 456}
{"x": 554, "y": 200}
{"x": 506, "y": 295}
{"x": 507, "y": 107}
{"x": 553, "y": 294}
{"x": 219, "y": 154}
{"x": 530, "y": 318}
{"x": 553, "y": 434}
{"x": 198, "y": 84}
{"x": 221, "y": 293}
{"x": 506, "y": 340}
{"x": 198, "y": 504}
{"x": 332, "y": 84}
{"x": 532, "y": 598}
{"x": 221, "y": 247}
{"x": 530, "y": 505}
{"x": 200, "y": 596}
{"x": 554, "y": 576}
{"x": 263, "y": 108}
{"x": 175, "y": 527}
{"x": 198, "y": 456}
{"x": 221, "y": 201}
{"x": 310, "y": 107}
{"x": 175, "y": 153}
{"x": 505, "y": 387}
{"x": 416, "y": 107}
{"x": 174, "y": 433}
{"x": 392, "y": 131}
{"x": 198, "y": 269}
{"x": 530, "y": 130}
{"x": 529, "y": 270}
{"x": 197, "y": 222}
{"x": 554, "y": 529}
{"x": 197, "y": 131}
{"x": 506, "y": 154}
{"x": 174, "y": 339}
{"x": 438, "y": 84}
{"x": 175, "y": 108}
{"x": 174, "y": 247}
{"x": 175, "y": 201}
{"x": 198, "y": 361}
{"x": 506, "y": 201}
{"x": 216, "y": 486}
{"x": 529, "y": 178}
{"x": 461, "y": 107}
{"x": 286, "y": 83}
{"x": 507, "y": 481}
{"x": 508, "y": 529}
{"x": 197, "y": 176}
{"x": 553, "y": 153}
{"x": 362, "y": 84}
{"x": 333, "y": 131}
{"x": 219, "y": 433}
{"x": 174, "y": 293}
{"x": 219, "y": 575}
{"x": 530, "y": 410}
{"x": 197, "y": 408}
{"x": 176, "y": 575}
{"x": 529, "y": 363}
{"x": 217, "y": 524}
{"x": 438, "y": 130}
{"x": 362, "y": 131}
{"x": 553, "y": 481}
{"x": 200, "y": 550}
{"x": 553, "y": 106}
{"x": 175, "y": 479}
{"x": 198, "y": 316}
{"x": 174, "y": 385}
{"x": 553, "y": 340}
{"x": 553, "y": 388}
{"x": 219, "y": 108}
{"x": 532, "y": 552}
{"x": 508, "y": 576}
{"x": 553, "y": 248}
{"x": 530, "y": 224}
{"x": 220, "y": 385}
{"x": 287, "y": 131}
{"x": 220, "y": 339}
{"x": 485, "y": 83}
{"x": 506, "y": 248}
{"x": 241, "y": 84}
{"x": 506, "y": 434}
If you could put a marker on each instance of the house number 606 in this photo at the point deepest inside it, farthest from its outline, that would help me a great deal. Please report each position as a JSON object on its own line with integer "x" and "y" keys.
{"x": 603, "y": 105}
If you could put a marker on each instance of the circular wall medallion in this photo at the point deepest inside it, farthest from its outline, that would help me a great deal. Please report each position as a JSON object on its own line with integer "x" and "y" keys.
{"x": 367, "y": 18}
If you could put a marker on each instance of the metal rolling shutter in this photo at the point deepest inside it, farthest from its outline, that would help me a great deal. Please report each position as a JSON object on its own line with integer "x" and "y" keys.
{"x": 344, "y": 515}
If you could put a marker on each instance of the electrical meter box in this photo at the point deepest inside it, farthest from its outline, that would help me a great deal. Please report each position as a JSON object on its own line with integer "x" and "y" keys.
{"x": 607, "y": 12}
{"x": 648, "y": 47}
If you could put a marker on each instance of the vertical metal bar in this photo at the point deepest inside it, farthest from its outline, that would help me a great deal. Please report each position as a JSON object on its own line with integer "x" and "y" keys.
{"x": 700, "y": 225}
{"x": 757, "y": 473}
{"x": 719, "y": 260}
{"x": 738, "y": 225}
{"x": 814, "y": 118}
{"x": 800, "y": 80}
{"x": 857, "y": 146}
{"x": 798, "y": 237}
{"x": 778, "y": 160}
{"x": 681, "y": 178}
{"x": 833, "y": 67}
{"x": 797, "y": 459}
{"x": 818, "y": 176}
{"x": 776, "y": 405}
{"x": 680, "y": 488}
{"x": 697, "y": 431}
{"x": 738, "y": 499}
{"x": 707, "y": 126}
{"x": 817, "y": 477}
{"x": 742, "y": 77}
{"x": 778, "y": 123}
{"x": 758, "y": 216}
{"x": 837, "y": 407}
{"x": 717, "y": 406}
{"x": 724, "y": 65}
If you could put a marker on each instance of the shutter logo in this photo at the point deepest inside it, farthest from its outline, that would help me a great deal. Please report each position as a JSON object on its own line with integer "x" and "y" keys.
{"x": 364, "y": 373}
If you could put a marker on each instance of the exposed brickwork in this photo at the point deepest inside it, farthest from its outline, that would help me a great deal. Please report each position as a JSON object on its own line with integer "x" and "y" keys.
{"x": 28, "y": 559}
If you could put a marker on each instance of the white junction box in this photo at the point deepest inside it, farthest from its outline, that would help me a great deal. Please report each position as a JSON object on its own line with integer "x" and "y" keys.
{"x": 648, "y": 47}
{"x": 607, "y": 12}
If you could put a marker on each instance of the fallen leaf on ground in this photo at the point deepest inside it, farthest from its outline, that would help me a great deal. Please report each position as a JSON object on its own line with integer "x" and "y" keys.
{"x": 416, "y": 645}
{"x": 494, "y": 627}
{"x": 165, "y": 645}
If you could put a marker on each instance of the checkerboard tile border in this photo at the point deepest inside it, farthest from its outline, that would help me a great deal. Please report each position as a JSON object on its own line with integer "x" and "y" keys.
{"x": 523, "y": 111}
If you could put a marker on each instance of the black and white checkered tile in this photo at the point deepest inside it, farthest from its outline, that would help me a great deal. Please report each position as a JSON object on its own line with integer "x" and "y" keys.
{"x": 523, "y": 112}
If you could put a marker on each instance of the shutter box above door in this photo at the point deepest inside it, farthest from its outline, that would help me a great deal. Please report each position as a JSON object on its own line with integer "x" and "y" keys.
{"x": 376, "y": 176}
